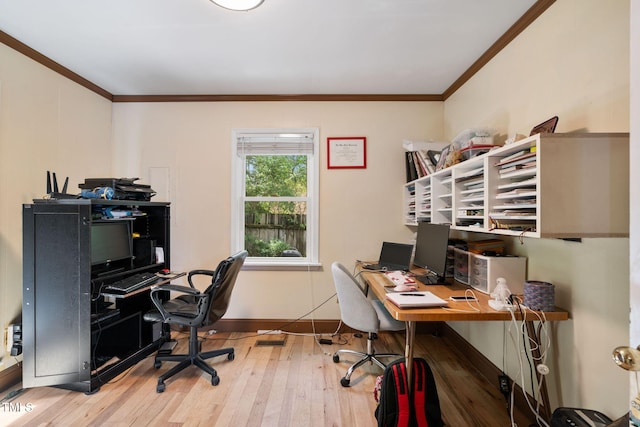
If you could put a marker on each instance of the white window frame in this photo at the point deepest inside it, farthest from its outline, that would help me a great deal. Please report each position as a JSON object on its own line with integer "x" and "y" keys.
{"x": 238, "y": 197}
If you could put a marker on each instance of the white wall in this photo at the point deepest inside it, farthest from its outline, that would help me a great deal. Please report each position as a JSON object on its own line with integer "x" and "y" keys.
{"x": 572, "y": 62}
{"x": 358, "y": 208}
{"x": 46, "y": 123}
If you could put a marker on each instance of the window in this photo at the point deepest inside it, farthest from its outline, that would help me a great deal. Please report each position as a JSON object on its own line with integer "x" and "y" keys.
{"x": 275, "y": 196}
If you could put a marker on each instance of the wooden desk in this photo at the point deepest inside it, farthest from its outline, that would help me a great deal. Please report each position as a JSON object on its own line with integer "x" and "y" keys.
{"x": 458, "y": 311}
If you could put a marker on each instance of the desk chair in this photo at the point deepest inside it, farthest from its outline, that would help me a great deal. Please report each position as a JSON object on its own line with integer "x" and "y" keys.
{"x": 360, "y": 313}
{"x": 196, "y": 309}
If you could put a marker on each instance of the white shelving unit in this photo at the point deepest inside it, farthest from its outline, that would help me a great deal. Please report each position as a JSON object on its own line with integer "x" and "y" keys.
{"x": 442, "y": 197}
{"x": 423, "y": 200}
{"x": 469, "y": 195}
{"x": 410, "y": 203}
{"x": 547, "y": 185}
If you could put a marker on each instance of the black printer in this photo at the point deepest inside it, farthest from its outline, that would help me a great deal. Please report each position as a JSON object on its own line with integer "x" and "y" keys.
{"x": 123, "y": 188}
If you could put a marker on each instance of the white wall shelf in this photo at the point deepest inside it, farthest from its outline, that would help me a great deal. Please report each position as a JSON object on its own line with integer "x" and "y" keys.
{"x": 546, "y": 185}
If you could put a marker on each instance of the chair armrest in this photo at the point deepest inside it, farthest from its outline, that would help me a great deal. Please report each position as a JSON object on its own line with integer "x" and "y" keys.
{"x": 175, "y": 288}
{"x": 155, "y": 296}
{"x": 201, "y": 272}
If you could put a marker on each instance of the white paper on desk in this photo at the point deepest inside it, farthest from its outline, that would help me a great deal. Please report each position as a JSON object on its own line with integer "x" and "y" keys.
{"x": 416, "y": 299}
{"x": 160, "y": 255}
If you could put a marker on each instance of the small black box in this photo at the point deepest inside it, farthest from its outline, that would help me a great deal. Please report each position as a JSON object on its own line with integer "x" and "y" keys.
{"x": 144, "y": 251}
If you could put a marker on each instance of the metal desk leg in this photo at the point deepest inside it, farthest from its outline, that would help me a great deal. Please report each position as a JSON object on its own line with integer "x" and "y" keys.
{"x": 410, "y": 328}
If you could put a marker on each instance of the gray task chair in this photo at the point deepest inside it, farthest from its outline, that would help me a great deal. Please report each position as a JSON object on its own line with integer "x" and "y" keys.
{"x": 360, "y": 313}
{"x": 194, "y": 309}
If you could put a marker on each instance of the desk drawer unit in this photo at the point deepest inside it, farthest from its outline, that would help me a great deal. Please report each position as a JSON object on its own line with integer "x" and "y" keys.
{"x": 461, "y": 266}
{"x": 485, "y": 270}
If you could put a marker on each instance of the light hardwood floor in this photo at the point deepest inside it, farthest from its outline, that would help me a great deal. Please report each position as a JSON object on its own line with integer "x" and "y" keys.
{"x": 296, "y": 385}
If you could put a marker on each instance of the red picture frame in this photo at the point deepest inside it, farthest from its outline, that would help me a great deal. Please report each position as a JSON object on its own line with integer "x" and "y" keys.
{"x": 347, "y": 152}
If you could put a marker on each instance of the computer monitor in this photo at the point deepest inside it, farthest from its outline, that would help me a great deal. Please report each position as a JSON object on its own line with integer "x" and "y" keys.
{"x": 110, "y": 241}
{"x": 432, "y": 242}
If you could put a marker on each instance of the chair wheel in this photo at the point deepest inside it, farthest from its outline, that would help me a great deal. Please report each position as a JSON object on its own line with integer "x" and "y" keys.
{"x": 231, "y": 356}
{"x": 345, "y": 382}
{"x": 160, "y": 388}
{"x": 157, "y": 364}
{"x": 215, "y": 380}
{"x": 336, "y": 358}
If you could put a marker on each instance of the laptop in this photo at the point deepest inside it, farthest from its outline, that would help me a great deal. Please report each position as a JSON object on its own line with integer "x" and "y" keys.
{"x": 416, "y": 299}
{"x": 393, "y": 256}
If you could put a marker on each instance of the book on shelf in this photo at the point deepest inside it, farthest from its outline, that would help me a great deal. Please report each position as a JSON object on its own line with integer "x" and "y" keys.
{"x": 424, "y": 157}
{"x": 418, "y": 164}
{"x": 411, "y": 172}
{"x": 427, "y": 160}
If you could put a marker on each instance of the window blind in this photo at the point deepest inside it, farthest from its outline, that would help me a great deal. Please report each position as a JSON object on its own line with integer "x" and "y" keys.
{"x": 265, "y": 144}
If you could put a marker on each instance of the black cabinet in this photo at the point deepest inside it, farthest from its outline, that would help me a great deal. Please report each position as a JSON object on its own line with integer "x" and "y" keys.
{"x": 75, "y": 334}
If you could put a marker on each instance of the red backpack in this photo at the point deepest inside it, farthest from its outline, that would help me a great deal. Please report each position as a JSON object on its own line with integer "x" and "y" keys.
{"x": 400, "y": 407}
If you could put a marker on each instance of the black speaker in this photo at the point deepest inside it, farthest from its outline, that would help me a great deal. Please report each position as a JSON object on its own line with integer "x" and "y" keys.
{"x": 144, "y": 251}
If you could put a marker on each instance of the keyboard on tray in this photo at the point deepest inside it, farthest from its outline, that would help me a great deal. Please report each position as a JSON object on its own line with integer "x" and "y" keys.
{"x": 132, "y": 283}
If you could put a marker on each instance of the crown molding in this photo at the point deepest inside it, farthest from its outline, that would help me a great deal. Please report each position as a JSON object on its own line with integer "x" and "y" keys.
{"x": 259, "y": 98}
{"x": 520, "y": 25}
{"x": 33, "y": 54}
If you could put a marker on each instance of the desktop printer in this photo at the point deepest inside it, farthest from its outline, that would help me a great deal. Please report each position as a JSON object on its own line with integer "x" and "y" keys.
{"x": 123, "y": 188}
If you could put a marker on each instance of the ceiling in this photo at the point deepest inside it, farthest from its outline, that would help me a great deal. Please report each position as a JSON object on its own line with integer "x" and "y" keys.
{"x": 193, "y": 47}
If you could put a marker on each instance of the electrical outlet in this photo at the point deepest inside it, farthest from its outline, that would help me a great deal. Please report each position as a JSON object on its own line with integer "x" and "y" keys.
{"x": 16, "y": 350}
{"x": 505, "y": 384}
{"x": 15, "y": 336}
{"x": 8, "y": 338}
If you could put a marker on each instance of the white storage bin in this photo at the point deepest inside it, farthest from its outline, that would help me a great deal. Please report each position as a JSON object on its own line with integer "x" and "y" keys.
{"x": 485, "y": 270}
{"x": 461, "y": 265}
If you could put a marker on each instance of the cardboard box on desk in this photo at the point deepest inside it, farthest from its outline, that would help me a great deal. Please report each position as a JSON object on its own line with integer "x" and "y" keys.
{"x": 489, "y": 245}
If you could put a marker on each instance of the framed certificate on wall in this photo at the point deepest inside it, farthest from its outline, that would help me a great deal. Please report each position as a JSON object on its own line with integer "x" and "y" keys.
{"x": 347, "y": 152}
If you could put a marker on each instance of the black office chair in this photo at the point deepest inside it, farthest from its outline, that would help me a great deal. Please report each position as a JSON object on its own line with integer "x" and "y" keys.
{"x": 196, "y": 309}
{"x": 359, "y": 312}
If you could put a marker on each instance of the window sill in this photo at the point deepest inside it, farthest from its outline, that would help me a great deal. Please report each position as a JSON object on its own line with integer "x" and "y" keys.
{"x": 281, "y": 266}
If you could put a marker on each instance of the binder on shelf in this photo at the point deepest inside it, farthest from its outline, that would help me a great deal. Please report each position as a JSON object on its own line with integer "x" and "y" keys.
{"x": 420, "y": 158}
{"x": 412, "y": 174}
{"x": 418, "y": 164}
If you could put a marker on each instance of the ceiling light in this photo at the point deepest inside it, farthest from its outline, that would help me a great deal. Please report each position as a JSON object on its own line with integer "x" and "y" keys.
{"x": 238, "y": 4}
